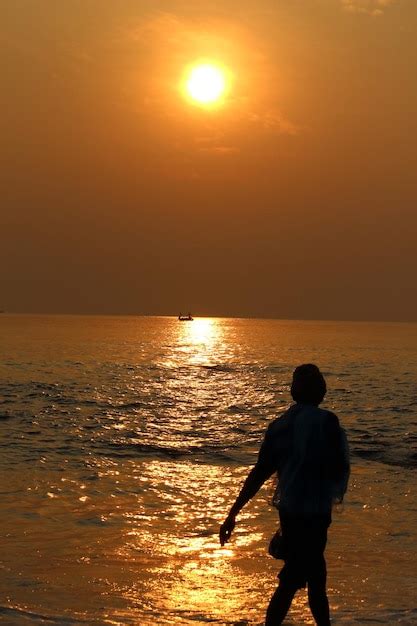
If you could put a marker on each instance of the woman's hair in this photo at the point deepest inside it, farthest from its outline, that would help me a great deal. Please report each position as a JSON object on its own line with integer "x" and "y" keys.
{"x": 308, "y": 384}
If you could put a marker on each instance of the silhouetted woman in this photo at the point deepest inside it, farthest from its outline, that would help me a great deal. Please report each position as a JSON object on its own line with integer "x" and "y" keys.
{"x": 308, "y": 450}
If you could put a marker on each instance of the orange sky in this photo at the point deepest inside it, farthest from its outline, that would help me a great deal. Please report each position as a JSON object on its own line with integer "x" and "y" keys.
{"x": 296, "y": 198}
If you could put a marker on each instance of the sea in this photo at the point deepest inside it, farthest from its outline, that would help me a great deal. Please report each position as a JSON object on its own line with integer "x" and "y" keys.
{"x": 125, "y": 440}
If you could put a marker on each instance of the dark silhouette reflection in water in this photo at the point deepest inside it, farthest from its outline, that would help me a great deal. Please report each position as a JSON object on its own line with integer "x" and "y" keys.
{"x": 307, "y": 449}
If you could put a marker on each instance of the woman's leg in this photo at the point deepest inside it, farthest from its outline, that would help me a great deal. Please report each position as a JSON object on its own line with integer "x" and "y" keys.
{"x": 279, "y": 604}
{"x": 319, "y": 604}
{"x": 317, "y": 596}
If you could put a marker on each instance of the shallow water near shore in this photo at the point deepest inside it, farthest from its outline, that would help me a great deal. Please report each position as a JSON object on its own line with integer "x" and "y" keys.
{"x": 124, "y": 440}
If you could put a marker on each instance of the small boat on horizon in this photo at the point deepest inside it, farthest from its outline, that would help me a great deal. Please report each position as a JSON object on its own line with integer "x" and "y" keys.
{"x": 185, "y": 318}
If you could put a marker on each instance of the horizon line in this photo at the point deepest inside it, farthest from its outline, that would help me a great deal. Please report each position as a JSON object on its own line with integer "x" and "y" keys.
{"x": 5, "y": 313}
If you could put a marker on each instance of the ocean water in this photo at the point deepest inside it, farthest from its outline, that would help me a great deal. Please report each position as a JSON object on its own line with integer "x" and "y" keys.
{"x": 124, "y": 441}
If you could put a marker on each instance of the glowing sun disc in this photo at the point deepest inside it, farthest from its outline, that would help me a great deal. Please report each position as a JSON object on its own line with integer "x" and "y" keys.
{"x": 206, "y": 83}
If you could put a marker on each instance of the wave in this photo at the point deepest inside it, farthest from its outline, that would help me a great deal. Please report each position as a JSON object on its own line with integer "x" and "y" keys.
{"x": 207, "y": 453}
{"x": 17, "y": 613}
{"x": 218, "y": 368}
{"x": 233, "y": 454}
{"x": 6, "y": 416}
{"x": 408, "y": 461}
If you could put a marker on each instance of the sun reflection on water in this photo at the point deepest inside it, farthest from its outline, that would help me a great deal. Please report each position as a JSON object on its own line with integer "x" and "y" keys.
{"x": 197, "y": 342}
{"x": 182, "y": 573}
{"x": 201, "y": 331}
{"x": 201, "y": 340}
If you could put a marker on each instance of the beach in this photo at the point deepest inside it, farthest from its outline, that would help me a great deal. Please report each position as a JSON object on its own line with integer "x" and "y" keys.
{"x": 124, "y": 441}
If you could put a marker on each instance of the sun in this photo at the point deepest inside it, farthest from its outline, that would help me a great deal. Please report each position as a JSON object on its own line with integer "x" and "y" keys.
{"x": 206, "y": 84}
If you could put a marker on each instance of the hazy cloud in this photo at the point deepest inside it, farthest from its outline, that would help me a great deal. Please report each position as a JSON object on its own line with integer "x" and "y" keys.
{"x": 368, "y": 7}
{"x": 274, "y": 121}
{"x": 222, "y": 150}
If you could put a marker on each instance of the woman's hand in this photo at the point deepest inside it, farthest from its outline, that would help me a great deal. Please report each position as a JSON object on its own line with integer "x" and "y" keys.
{"x": 226, "y": 529}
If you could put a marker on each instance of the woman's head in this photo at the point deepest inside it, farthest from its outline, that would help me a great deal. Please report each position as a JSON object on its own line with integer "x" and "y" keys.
{"x": 308, "y": 384}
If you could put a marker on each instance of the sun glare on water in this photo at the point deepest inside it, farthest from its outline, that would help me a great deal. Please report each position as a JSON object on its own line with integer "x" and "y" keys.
{"x": 206, "y": 84}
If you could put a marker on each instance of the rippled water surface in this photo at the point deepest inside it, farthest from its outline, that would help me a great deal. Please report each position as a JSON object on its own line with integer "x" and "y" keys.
{"x": 124, "y": 441}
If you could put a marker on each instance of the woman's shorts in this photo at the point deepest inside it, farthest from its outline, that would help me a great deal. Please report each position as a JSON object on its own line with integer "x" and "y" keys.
{"x": 305, "y": 538}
